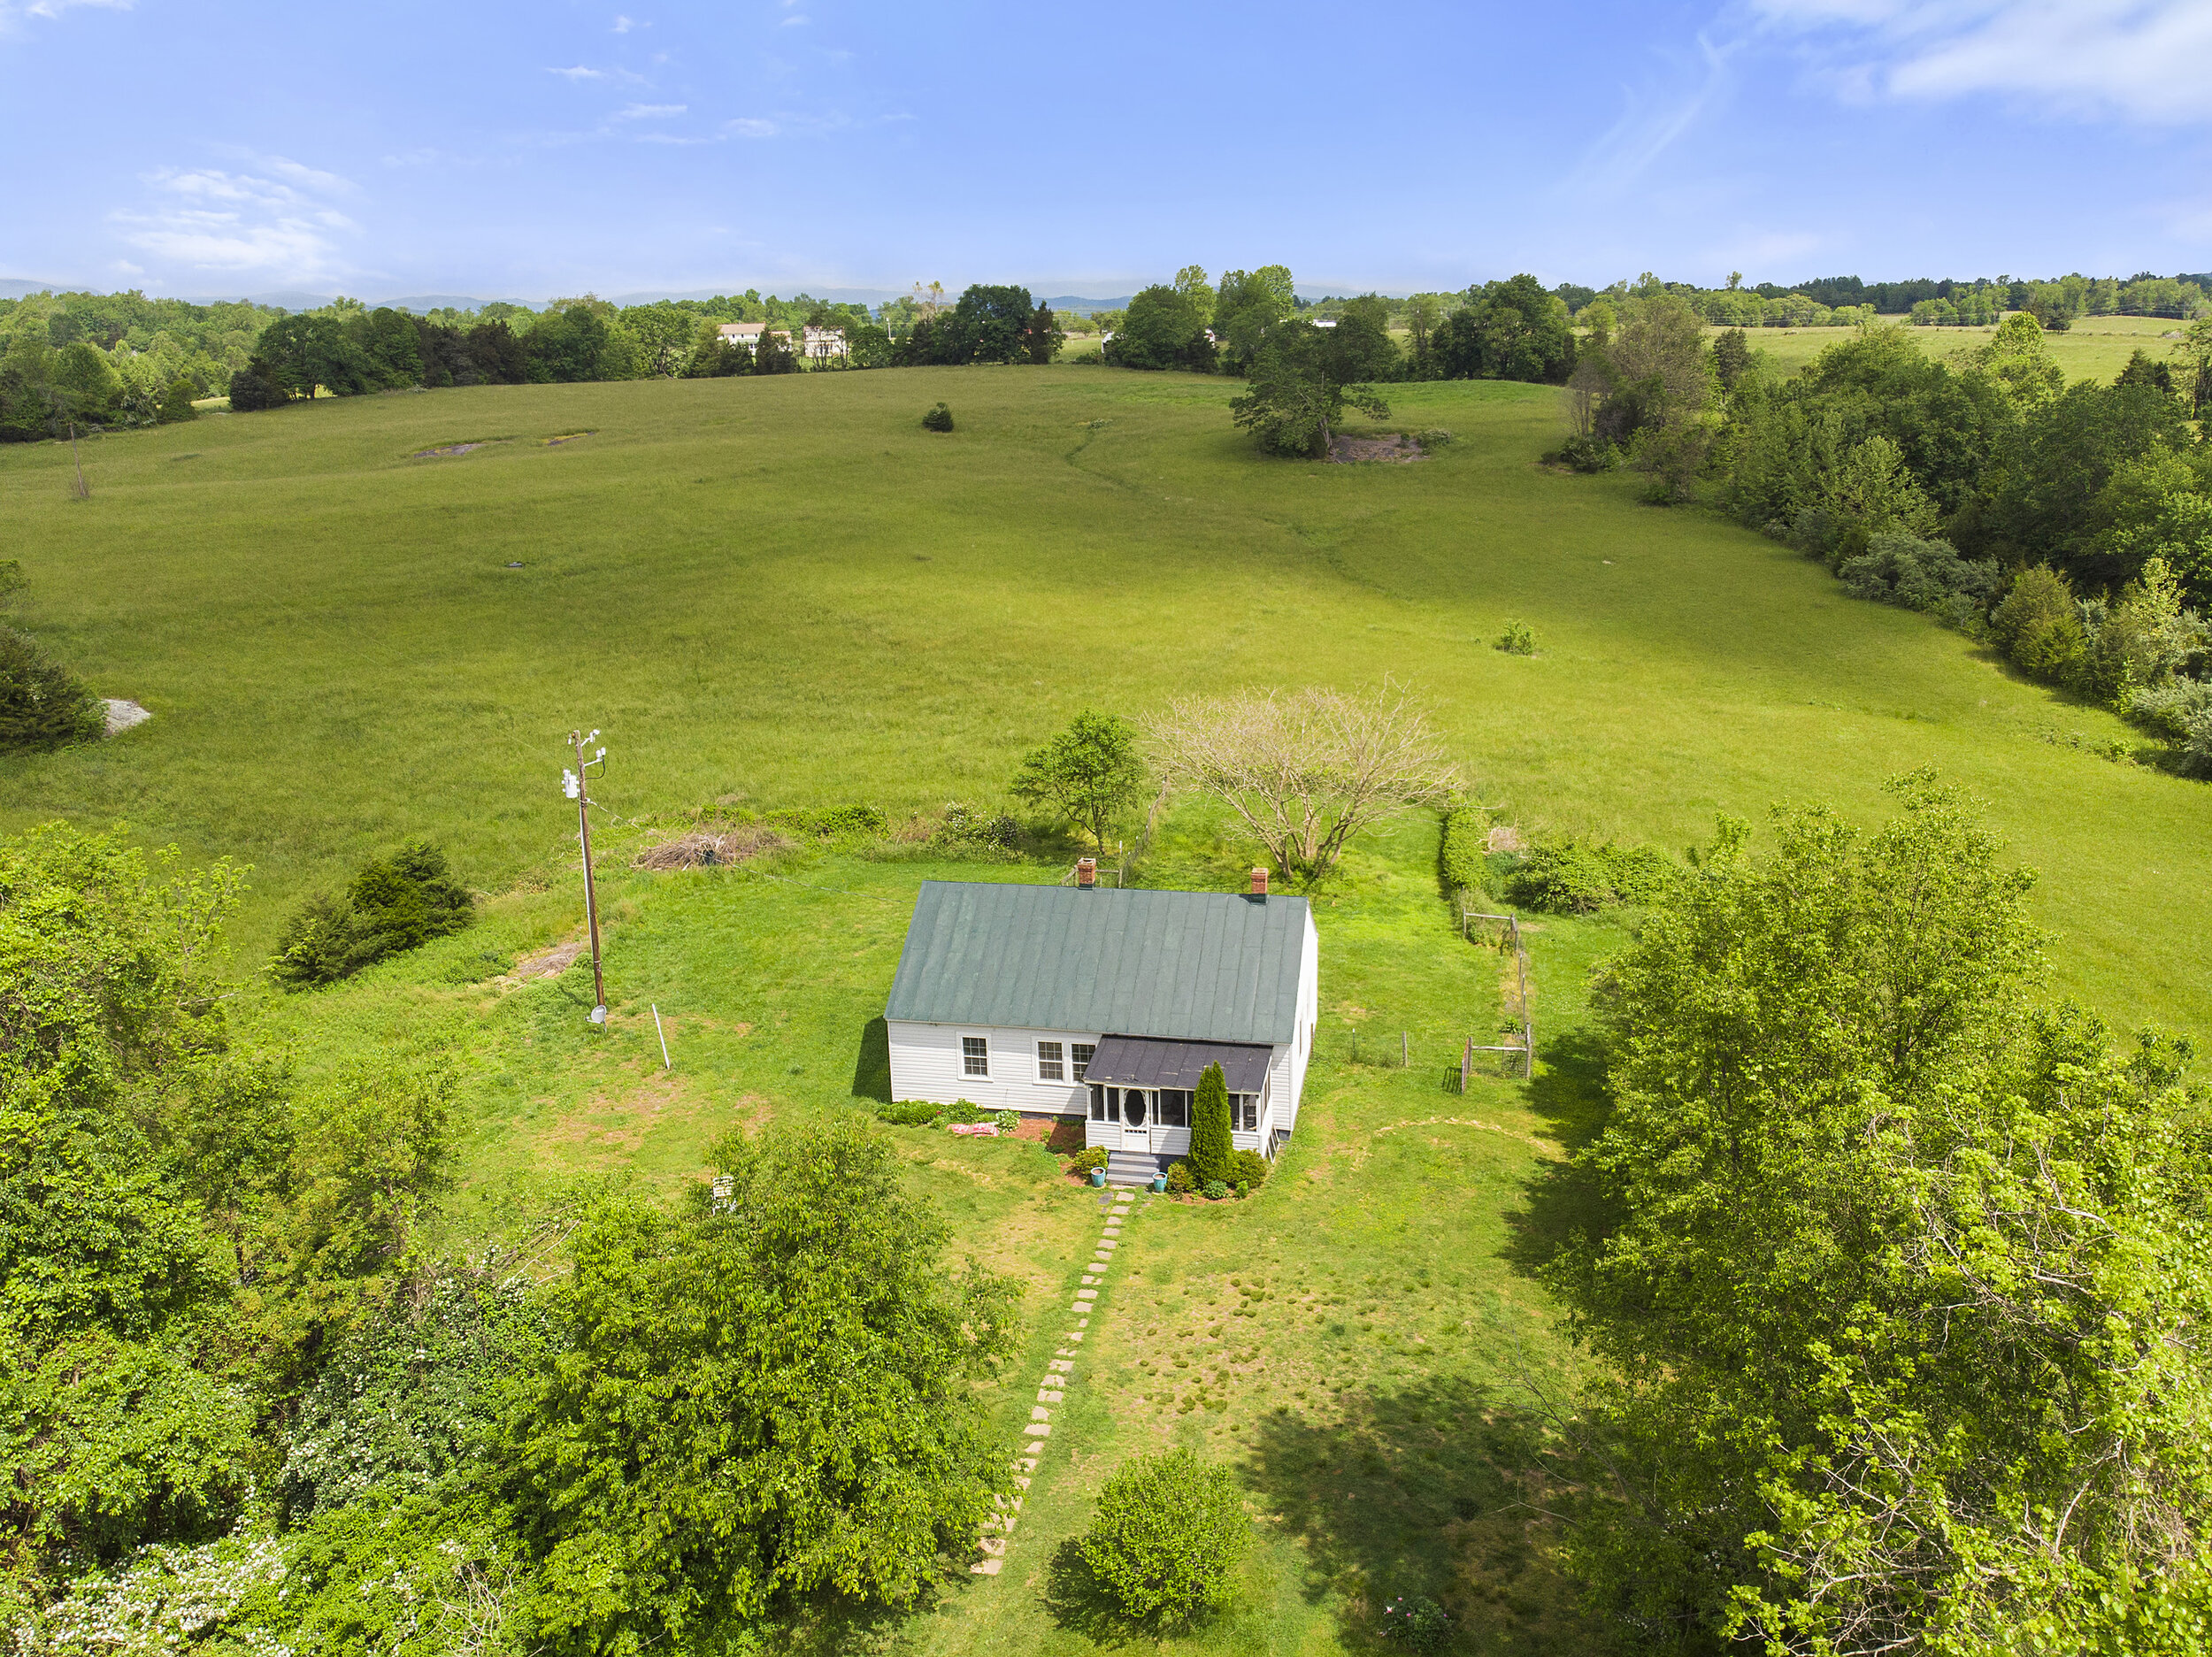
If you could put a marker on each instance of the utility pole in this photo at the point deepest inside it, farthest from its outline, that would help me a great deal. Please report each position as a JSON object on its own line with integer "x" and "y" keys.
{"x": 574, "y": 784}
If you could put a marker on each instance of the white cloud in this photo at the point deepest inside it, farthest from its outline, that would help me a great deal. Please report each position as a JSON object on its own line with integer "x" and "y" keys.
{"x": 749, "y": 126}
{"x": 1651, "y": 121}
{"x": 795, "y": 19}
{"x": 623, "y": 25}
{"x": 580, "y": 73}
{"x": 10, "y": 10}
{"x": 651, "y": 112}
{"x": 276, "y": 220}
{"x": 2148, "y": 60}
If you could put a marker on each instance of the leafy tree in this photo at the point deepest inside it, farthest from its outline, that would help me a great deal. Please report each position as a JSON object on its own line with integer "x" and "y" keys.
{"x": 1873, "y": 487}
{"x": 773, "y": 355}
{"x": 774, "y": 1394}
{"x": 1248, "y": 304}
{"x": 572, "y": 341}
{"x": 989, "y": 324}
{"x": 2160, "y": 506}
{"x": 2141, "y": 369}
{"x": 309, "y": 352}
{"x": 176, "y": 402}
{"x": 42, "y": 704}
{"x": 1660, "y": 349}
{"x": 1361, "y": 344}
{"x": 1044, "y": 335}
{"x": 258, "y": 385}
{"x": 374, "y": 1153}
{"x": 1299, "y": 393}
{"x": 2039, "y": 624}
{"x": 1509, "y": 330}
{"x": 1894, "y": 1290}
{"x": 1731, "y": 358}
{"x": 1164, "y": 328}
{"x": 1167, "y": 1537}
{"x": 1210, "y": 1145}
{"x": 1090, "y": 773}
{"x": 2017, "y": 359}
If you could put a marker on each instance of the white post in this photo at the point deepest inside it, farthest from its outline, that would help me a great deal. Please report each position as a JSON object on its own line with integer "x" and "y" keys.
{"x": 663, "y": 1034}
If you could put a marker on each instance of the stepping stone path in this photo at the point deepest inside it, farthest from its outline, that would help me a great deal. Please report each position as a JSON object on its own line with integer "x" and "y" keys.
{"x": 1052, "y": 1385}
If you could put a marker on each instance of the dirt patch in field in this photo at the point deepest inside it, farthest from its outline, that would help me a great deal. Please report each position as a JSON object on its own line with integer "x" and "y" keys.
{"x": 550, "y": 963}
{"x": 1396, "y": 449}
{"x": 453, "y": 449}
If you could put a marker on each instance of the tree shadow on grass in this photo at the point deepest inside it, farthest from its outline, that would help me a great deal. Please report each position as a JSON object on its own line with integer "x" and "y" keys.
{"x": 872, "y": 1065}
{"x": 1080, "y": 1604}
{"x": 1563, "y": 1201}
{"x": 1440, "y": 1490}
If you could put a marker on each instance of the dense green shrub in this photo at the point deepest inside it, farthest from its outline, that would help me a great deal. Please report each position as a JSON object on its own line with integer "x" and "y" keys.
{"x": 1181, "y": 1182}
{"x": 1210, "y": 1140}
{"x": 1461, "y": 852}
{"x": 2170, "y": 709}
{"x": 1094, "y": 1158}
{"x": 1585, "y": 451}
{"x": 1518, "y": 638}
{"x": 1006, "y": 1121}
{"x": 176, "y": 404}
{"x": 1214, "y": 1190}
{"x": 1167, "y": 1537}
{"x": 1574, "y": 876}
{"x": 910, "y": 1113}
{"x": 1249, "y": 1168}
{"x": 1922, "y": 575}
{"x": 970, "y": 833}
{"x": 939, "y": 418}
{"x": 2038, "y": 625}
{"x": 830, "y": 821}
{"x": 42, "y": 705}
{"x": 1417, "y": 1624}
{"x": 258, "y": 385}
{"x": 395, "y": 904}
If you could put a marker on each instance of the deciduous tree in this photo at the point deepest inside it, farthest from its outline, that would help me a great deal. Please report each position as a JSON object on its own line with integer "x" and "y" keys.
{"x": 1298, "y": 393}
{"x": 1090, "y": 774}
{"x": 1307, "y": 769}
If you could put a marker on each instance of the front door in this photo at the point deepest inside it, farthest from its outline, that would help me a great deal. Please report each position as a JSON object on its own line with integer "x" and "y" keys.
{"x": 1136, "y": 1133}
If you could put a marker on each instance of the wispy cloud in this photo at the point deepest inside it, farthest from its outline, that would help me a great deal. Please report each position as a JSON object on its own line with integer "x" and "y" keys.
{"x": 1651, "y": 120}
{"x": 751, "y": 127}
{"x": 795, "y": 19}
{"x": 2145, "y": 59}
{"x": 277, "y": 219}
{"x": 651, "y": 112}
{"x": 623, "y": 25}
{"x": 579, "y": 73}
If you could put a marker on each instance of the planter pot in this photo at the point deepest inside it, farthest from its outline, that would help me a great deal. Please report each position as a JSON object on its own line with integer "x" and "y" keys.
{"x": 1098, "y": 1176}
{"x": 1159, "y": 1182}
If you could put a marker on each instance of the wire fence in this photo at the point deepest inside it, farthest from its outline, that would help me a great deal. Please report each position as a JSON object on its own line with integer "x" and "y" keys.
{"x": 1523, "y": 1013}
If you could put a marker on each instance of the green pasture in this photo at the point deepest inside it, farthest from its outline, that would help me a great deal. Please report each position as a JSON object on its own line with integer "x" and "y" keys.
{"x": 2095, "y": 348}
{"x": 784, "y": 591}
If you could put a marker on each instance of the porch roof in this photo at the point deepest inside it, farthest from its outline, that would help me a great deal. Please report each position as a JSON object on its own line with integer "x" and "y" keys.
{"x": 1147, "y": 1061}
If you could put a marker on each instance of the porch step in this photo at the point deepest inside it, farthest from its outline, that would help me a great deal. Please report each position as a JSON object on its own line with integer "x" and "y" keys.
{"x": 1131, "y": 1168}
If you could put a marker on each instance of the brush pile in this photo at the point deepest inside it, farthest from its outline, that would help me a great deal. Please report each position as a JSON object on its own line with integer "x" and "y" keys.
{"x": 709, "y": 848}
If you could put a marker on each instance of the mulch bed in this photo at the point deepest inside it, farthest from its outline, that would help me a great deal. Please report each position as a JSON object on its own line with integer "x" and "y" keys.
{"x": 1396, "y": 449}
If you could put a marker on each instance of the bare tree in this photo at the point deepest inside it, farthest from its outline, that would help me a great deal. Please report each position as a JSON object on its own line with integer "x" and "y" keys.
{"x": 1305, "y": 769}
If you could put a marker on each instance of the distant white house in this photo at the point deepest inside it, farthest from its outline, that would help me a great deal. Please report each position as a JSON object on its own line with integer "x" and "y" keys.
{"x": 748, "y": 335}
{"x": 1109, "y": 1006}
{"x": 824, "y": 343}
{"x": 1323, "y": 322}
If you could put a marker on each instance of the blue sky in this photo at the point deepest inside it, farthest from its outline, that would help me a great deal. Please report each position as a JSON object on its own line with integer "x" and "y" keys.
{"x": 529, "y": 151}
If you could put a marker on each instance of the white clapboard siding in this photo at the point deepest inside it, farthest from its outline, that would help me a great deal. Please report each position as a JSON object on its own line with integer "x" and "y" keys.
{"x": 926, "y": 1064}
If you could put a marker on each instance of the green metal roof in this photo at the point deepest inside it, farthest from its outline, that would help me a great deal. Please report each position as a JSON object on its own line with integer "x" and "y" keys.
{"x": 1201, "y": 966}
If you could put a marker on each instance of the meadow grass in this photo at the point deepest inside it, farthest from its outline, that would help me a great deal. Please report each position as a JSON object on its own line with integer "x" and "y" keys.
{"x": 2094, "y": 347}
{"x": 784, "y": 593}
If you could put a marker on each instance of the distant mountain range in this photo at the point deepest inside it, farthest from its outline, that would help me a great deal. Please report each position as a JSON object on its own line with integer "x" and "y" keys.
{"x": 295, "y": 300}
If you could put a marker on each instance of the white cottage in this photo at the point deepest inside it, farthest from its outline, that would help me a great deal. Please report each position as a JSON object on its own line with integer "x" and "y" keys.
{"x": 1108, "y": 1006}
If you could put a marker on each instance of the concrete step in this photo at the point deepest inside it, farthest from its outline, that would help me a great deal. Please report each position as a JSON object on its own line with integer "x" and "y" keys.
{"x": 1131, "y": 1168}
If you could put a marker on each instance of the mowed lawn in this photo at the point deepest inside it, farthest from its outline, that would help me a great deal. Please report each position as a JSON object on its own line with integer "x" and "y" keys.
{"x": 784, "y": 591}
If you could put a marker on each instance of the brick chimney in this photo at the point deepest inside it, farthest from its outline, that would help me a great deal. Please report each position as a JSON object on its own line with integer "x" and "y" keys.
{"x": 1259, "y": 883}
{"x": 1086, "y": 871}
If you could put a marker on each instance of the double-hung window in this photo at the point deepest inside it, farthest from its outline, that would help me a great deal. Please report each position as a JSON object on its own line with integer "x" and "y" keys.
{"x": 975, "y": 1055}
{"x": 1244, "y": 1111}
{"x": 1080, "y": 1051}
{"x": 1050, "y": 1066}
{"x": 1098, "y": 1102}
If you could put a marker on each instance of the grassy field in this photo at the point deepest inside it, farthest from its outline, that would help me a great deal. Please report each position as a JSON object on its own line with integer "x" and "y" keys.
{"x": 784, "y": 593}
{"x": 2095, "y": 348}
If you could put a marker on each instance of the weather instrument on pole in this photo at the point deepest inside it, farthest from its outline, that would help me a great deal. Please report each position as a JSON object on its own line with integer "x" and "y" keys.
{"x": 576, "y": 785}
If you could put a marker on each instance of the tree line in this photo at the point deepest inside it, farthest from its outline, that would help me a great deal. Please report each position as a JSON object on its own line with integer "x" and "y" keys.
{"x": 2070, "y": 525}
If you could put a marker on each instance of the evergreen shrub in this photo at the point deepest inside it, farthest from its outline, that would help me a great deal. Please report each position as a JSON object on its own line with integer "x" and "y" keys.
{"x": 939, "y": 418}
{"x": 1249, "y": 1169}
{"x": 1214, "y": 1191}
{"x": 1180, "y": 1180}
{"x": 912, "y": 1113}
{"x": 1210, "y": 1140}
{"x": 42, "y": 704}
{"x": 395, "y": 904}
{"x": 1462, "y": 852}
